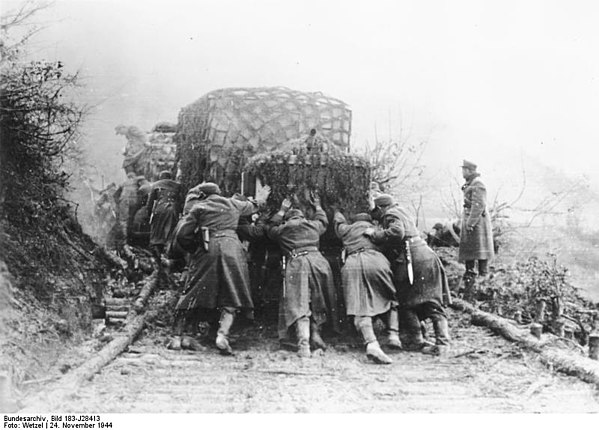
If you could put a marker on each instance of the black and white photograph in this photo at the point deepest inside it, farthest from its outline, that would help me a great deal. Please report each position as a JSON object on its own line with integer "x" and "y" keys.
{"x": 257, "y": 212}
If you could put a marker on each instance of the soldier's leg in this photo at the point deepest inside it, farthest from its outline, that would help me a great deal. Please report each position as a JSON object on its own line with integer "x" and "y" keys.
{"x": 438, "y": 317}
{"x": 178, "y": 328}
{"x": 157, "y": 254}
{"x": 391, "y": 336}
{"x": 410, "y": 330}
{"x": 302, "y": 326}
{"x": 373, "y": 349}
{"x": 315, "y": 338}
{"x": 227, "y": 317}
{"x": 470, "y": 271}
{"x": 483, "y": 268}
{"x": 469, "y": 279}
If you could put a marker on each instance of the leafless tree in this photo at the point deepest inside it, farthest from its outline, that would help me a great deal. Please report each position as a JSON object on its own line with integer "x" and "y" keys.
{"x": 397, "y": 164}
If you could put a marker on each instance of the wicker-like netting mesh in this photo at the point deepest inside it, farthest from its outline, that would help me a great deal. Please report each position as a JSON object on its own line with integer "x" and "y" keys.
{"x": 220, "y": 131}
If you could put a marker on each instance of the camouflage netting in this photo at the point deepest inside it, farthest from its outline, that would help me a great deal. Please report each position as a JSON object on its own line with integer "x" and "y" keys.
{"x": 150, "y": 153}
{"x": 219, "y": 132}
{"x": 163, "y": 151}
{"x": 342, "y": 180}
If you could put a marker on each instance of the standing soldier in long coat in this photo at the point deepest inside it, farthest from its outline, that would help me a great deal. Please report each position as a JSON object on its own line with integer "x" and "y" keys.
{"x": 476, "y": 236}
{"x": 418, "y": 275}
{"x": 164, "y": 206}
{"x": 308, "y": 279}
{"x": 218, "y": 277}
{"x": 128, "y": 202}
{"x": 367, "y": 283}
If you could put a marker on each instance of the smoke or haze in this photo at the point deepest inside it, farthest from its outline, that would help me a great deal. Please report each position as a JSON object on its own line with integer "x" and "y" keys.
{"x": 495, "y": 82}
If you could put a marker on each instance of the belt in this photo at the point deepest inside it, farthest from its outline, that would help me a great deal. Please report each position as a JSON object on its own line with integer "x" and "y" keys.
{"x": 302, "y": 251}
{"x": 413, "y": 239}
{"x": 357, "y": 251}
{"x": 224, "y": 233}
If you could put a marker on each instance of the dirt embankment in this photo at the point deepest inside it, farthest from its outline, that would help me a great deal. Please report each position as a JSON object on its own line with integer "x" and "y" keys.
{"x": 51, "y": 281}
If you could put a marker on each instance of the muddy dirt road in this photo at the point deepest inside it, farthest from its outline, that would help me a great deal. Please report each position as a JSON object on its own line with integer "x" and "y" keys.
{"x": 483, "y": 373}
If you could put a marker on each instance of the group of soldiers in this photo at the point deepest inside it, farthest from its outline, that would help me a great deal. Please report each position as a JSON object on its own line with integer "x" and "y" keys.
{"x": 389, "y": 271}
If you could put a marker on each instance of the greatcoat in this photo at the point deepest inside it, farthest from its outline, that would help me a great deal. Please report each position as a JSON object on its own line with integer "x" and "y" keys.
{"x": 218, "y": 271}
{"x": 476, "y": 244}
{"x": 308, "y": 286}
{"x": 429, "y": 280}
{"x": 164, "y": 206}
{"x": 366, "y": 276}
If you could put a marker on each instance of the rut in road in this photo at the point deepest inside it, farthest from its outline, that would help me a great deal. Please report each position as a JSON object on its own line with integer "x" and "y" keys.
{"x": 483, "y": 373}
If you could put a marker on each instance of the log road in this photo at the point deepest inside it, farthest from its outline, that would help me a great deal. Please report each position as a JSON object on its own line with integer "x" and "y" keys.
{"x": 483, "y": 373}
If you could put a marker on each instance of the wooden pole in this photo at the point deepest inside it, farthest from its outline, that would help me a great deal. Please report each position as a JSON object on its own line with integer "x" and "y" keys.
{"x": 562, "y": 360}
{"x": 540, "y": 310}
{"x": 594, "y": 346}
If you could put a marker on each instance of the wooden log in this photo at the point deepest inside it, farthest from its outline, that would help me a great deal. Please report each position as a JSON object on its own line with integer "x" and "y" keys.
{"x": 563, "y": 361}
{"x": 118, "y": 308}
{"x": 70, "y": 383}
{"x": 113, "y": 301}
{"x": 49, "y": 399}
{"x": 145, "y": 293}
{"x": 117, "y": 314}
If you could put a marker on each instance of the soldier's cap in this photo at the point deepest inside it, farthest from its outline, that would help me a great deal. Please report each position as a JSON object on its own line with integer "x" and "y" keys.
{"x": 165, "y": 174}
{"x": 469, "y": 165}
{"x": 294, "y": 213}
{"x": 145, "y": 188}
{"x": 362, "y": 217}
{"x": 207, "y": 188}
{"x": 384, "y": 200}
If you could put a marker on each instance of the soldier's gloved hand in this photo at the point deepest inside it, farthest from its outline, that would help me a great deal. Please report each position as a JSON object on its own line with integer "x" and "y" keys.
{"x": 315, "y": 198}
{"x": 285, "y": 204}
{"x": 262, "y": 195}
{"x": 369, "y": 232}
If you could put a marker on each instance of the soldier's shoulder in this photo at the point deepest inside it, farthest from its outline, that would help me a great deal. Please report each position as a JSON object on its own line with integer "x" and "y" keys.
{"x": 477, "y": 182}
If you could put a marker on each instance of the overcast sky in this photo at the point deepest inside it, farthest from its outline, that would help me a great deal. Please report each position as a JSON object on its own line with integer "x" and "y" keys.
{"x": 488, "y": 81}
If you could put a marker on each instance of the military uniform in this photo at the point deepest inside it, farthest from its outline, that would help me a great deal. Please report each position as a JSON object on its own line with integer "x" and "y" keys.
{"x": 422, "y": 297}
{"x": 128, "y": 203}
{"x": 367, "y": 283}
{"x": 218, "y": 272}
{"x": 164, "y": 206}
{"x": 308, "y": 296}
{"x": 476, "y": 236}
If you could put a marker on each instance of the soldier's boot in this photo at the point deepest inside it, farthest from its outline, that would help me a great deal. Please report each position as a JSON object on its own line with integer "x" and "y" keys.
{"x": 411, "y": 333}
{"x": 469, "y": 282}
{"x": 483, "y": 269}
{"x": 175, "y": 342}
{"x": 315, "y": 340}
{"x": 391, "y": 336}
{"x": 227, "y": 317}
{"x": 376, "y": 354}
{"x": 442, "y": 345}
{"x": 373, "y": 349}
{"x": 302, "y": 327}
